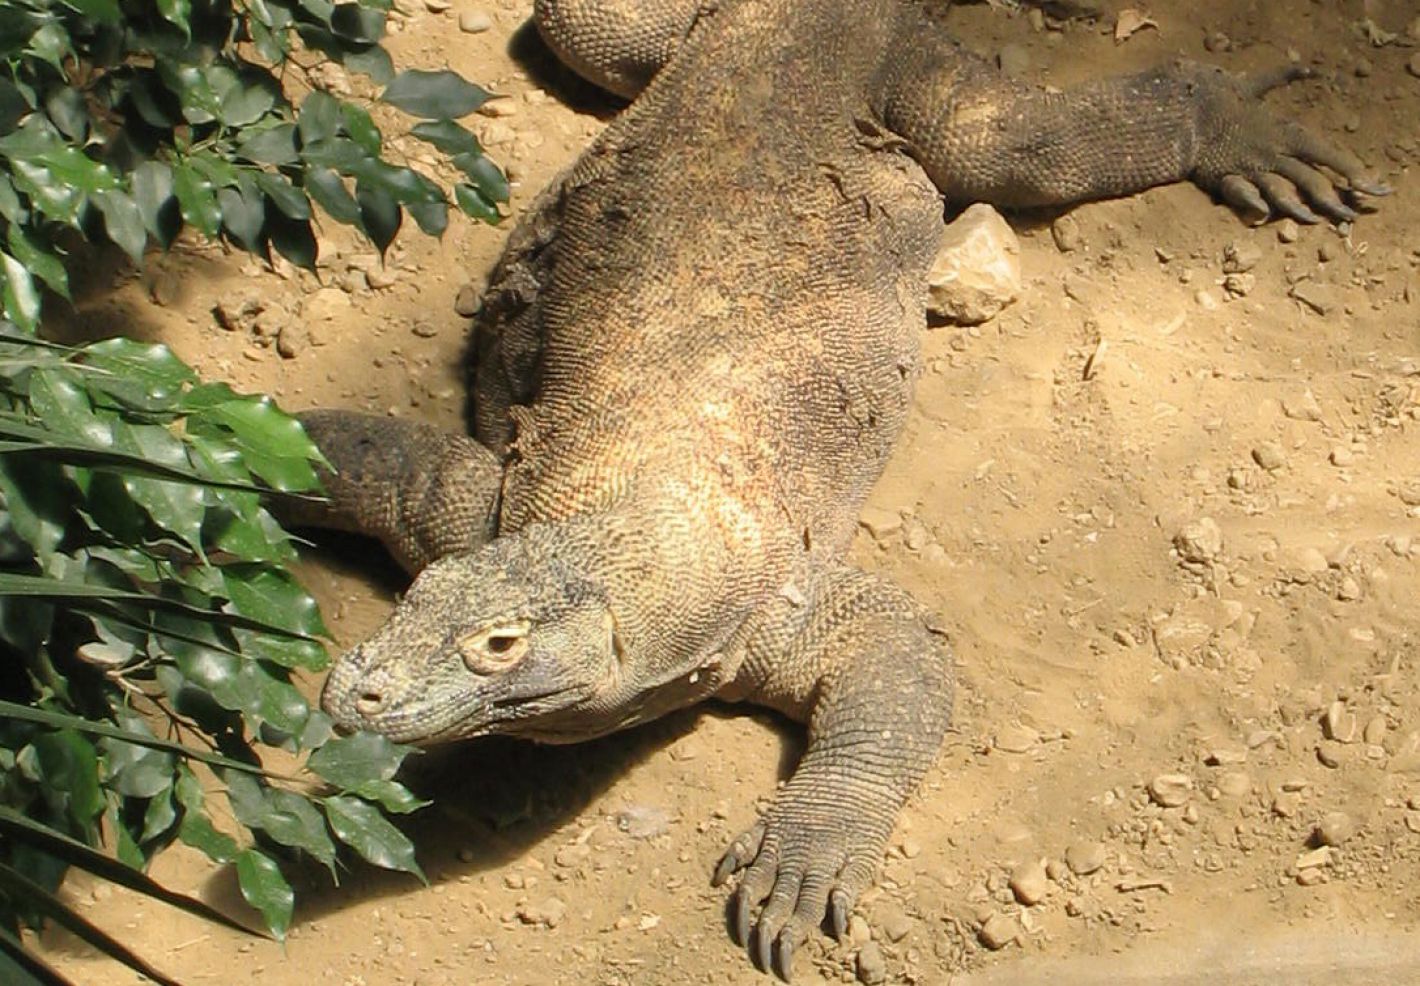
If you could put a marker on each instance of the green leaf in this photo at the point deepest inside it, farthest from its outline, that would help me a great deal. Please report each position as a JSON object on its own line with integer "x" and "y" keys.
{"x": 361, "y": 128}
{"x": 37, "y": 499}
{"x": 474, "y": 204}
{"x": 380, "y": 214}
{"x": 103, "y": 11}
{"x": 123, "y": 221}
{"x": 21, "y": 299}
{"x": 266, "y": 889}
{"x": 65, "y": 409}
{"x": 361, "y": 826}
{"x": 361, "y": 758}
{"x": 287, "y": 817}
{"x": 69, "y": 768}
{"x": 319, "y": 117}
{"x": 293, "y": 239}
{"x": 370, "y": 60}
{"x": 178, "y": 13}
{"x": 69, "y": 113}
{"x": 289, "y": 199}
{"x": 271, "y": 442}
{"x": 160, "y": 816}
{"x": 150, "y": 368}
{"x": 175, "y": 507}
{"x": 137, "y": 771}
{"x": 357, "y": 22}
{"x": 61, "y": 720}
{"x": 39, "y": 261}
{"x": 329, "y": 191}
{"x": 152, "y": 184}
{"x": 243, "y": 216}
{"x": 393, "y": 796}
{"x": 432, "y": 217}
{"x": 434, "y": 95}
{"x": 484, "y": 174}
{"x": 271, "y": 145}
{"x": 447, "y": 136}
{"x": 196, "y": 199}
{"x": 288, "y": 653}
{"x": 272, "y": 596}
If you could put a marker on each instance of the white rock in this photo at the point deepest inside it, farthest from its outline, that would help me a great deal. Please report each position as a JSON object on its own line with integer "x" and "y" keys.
{"x": 977, "y": 272}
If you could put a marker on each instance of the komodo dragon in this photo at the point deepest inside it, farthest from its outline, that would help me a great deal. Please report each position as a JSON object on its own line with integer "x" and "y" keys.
{"x": 695, "y": 356}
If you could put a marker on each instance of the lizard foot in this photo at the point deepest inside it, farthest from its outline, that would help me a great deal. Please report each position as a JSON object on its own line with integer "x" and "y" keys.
{"x": 1262, "y": 165}
{"x": 807, "y": 859}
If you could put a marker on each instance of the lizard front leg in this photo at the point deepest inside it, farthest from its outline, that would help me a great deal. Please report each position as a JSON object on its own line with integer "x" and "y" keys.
{"x": 855, "y": 659}
{"x": 424, "y": 493}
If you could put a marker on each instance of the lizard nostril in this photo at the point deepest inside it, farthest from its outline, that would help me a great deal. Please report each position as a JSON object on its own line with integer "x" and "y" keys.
{"x": 369, "y": 703}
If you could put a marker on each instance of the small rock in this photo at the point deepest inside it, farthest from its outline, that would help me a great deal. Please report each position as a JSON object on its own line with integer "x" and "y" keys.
{"x": 1015, "y": 739}
{"x": 380, "y": 277}
{"x": 548, "y": 913}
{"x": 236, "y": 315}
{"x": 469, "y": 301}
{"x": 474, "y": 22}
{"x": 1349, "y": 590}
{"x": 1341, "y": 456}
{"x": 1304, "y": 407}
{"x": 1339, "y": 724}
{"x": 1287, "y": 804}
{"x": 1270, "y": 456}
{"x": 1240, "y": 256}
{"x": 1170, "y": 790}
{"x": 572, "y": 855}
{"x": 1329, "y": 753}
{"x": 870, "y": 965}
{"x": 643, "y": 821}
{"x": 1065, "y": 231}
{"x": 437, "y": 6}
{"x": 1334, "y": 828}
{"x": 998, "y": 931}
{"x": 859, "y": 933}
{"x": 879, "y": 523}
{"x": 1084, "y": 858}
{"x": 1288, "y": 231}
{"x": 1234, "y": 784}
{"x": 1239, "y": 285}
{"x": 325, "y": 305}
{"x": 895, "y": 923}
{"x": 977, "y": 271}
{"x": 1374, "y": 733}
{"x": 424, "y": 329}
{"x": 1030, "y": 883}
{"x": 289, "y": 342}
{"x": 1413, "y": 66}
{"x": 1313, "y": 858}
{"x": 1199, "y": 541}
{"x": 1310, "y": 877}
{"x": 1318, "y": 297}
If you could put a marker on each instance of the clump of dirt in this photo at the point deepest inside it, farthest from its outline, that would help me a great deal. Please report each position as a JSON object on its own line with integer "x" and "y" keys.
{"x": 1169, "y": 503}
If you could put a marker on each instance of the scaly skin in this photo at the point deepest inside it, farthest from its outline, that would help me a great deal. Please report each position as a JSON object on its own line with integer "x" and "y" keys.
{"x": 695, "y": 356}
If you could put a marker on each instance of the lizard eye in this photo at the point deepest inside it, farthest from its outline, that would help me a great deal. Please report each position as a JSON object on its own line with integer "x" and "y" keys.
{"x": 495, "y": 648}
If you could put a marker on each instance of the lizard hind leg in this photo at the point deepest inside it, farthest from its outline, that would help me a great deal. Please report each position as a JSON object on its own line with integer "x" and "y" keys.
{"x": 424, "y": 493}
{"x": 618, "y": 45}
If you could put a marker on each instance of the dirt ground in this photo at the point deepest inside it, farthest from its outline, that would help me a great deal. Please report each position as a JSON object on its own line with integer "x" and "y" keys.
{"x": 1169, "y": 507}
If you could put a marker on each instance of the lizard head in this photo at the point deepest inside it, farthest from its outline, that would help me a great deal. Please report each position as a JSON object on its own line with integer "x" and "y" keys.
{"x": 506, "y": 639}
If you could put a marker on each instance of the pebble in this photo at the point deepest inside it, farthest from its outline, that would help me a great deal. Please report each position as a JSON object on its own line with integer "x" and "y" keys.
{"x": 1287, "y": 804}
{"x": 643, "y": 821}
{"x": 381, "y": 277}
{"x": 1341, "y": 456}
{"x": 1170, "y": 790}
{"x": 1334, "y": 828}
{"x": 469, "y": 301}
{"x": 1199, "y": 541}
{"x": 1304, "y": 407}
{"x": 1349, "y": 590}
{"x": 1339, "y": 724}
{"x": 1065, "y": 231}
{"x": 859, "y": 933}
{"x": 1288, "y": 231}
{"x": 1084, "y": 858}
{"x": 1374, "y": 733}
{"x": 325, "y": 305}
{"x": 548, "y": 913}
{"x": 1328, "y": 752}
{"x": 977, "y": 270}
{"x": 895, "y": 923}
{"x": 1234, "y": 784}
{"x": 1413, "y": 66}
{"x": 879, "y": 523}
{"x": 1318, "y": 297}
{"x": 165, "y": 288}
{"x": 1241, "y": 256}
{"x": 1015, "y": 739}
{"x": 1313, "y": 858}
{"x": 474, "y": 22}
{"x": 870, "y": 965}
{"x": 289, "y": 342}
{"x": 998, "y": 931}
{"x": 1270, "y": 456}
{"x": 1030, "y": 883}
{"x": 437, "y": 6}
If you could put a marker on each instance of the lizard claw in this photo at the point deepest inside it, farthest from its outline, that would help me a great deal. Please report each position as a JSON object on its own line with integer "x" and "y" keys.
{"x": 1263, "y": 166}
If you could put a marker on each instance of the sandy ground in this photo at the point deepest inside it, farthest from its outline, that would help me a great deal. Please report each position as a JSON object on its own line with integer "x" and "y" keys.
{"x": 1170, "y": 517}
